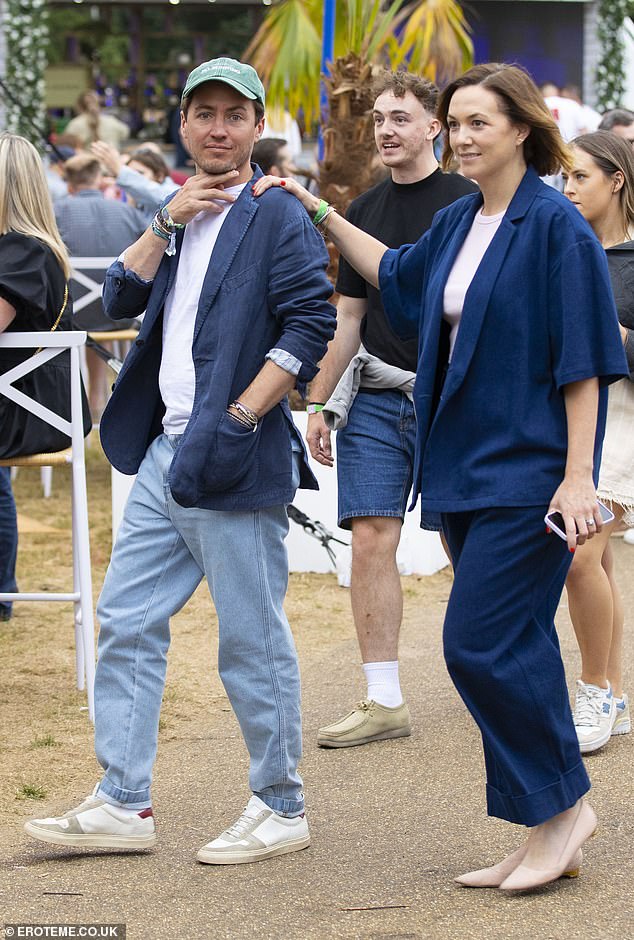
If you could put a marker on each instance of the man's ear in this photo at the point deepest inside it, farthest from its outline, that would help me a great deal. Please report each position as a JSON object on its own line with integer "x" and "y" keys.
{"x": 433, "y": 130}
{"x": 259, "y": 130}
{"x": 183, "y": 127}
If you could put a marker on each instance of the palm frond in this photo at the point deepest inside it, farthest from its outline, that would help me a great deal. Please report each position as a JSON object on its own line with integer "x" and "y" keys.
{"x": 436, "y": 41}
{"x": 428, "y": 37}
{"x": 383, "y": 30}
{"x": 286, "y": 53}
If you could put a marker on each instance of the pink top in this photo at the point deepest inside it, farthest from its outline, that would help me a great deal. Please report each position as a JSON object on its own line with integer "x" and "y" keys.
{"x": 465, "y": 266}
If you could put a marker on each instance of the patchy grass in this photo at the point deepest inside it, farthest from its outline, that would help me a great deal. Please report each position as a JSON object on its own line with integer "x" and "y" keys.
{"x": 30, "y": 792}
{"x": 45, "y": 740}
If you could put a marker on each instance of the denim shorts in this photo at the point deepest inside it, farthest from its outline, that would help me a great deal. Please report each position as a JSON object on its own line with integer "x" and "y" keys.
{"x": 375, "y": 456}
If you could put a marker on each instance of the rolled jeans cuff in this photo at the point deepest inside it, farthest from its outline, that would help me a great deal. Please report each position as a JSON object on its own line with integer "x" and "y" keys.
{"x": 128, "y": 799}
{"x": 281, "y": 806}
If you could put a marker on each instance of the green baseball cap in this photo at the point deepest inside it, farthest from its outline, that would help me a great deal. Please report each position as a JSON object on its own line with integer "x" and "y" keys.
{"x": 240, "y": 76}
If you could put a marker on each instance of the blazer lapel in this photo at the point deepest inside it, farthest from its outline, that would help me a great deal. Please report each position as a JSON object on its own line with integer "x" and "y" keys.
{"x": 475, "y": 305}
{"x": 163, "y": 284}
{"x": 479, "y": 292}
{"x": 233, "y": 230}
{"x": 443, "y": 263}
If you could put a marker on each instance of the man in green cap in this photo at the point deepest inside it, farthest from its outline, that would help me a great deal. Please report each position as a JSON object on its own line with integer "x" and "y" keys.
{"x": 237, "y": 314}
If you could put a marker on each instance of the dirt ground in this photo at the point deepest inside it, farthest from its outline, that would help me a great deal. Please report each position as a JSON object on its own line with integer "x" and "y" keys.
{"x": 391, "y": 823}
{"x": 46, "y": 738}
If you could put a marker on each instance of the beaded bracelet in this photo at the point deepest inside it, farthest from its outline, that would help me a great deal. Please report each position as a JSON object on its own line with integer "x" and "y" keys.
{"x": 169, "y": 221}
{"x": 158, "y": 230}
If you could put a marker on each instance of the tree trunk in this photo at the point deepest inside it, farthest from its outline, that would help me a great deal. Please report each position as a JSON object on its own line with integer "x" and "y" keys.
{"x": 350, "y": 165}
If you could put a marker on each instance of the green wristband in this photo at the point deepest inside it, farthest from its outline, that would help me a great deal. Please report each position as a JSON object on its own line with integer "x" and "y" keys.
{"x": 321, "y": 211}
{"x": 314, "y": 407}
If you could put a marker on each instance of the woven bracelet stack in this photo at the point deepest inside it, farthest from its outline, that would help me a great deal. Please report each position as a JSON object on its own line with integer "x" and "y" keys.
{"x": 164, "y": 226}
{"x": 324, "y": 211}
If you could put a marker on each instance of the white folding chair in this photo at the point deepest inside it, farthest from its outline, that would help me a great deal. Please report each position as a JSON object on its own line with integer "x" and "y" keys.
{"x": 87, "y": 277}
{"x": 86, "y": 284}
{"x": 51, "y": 345}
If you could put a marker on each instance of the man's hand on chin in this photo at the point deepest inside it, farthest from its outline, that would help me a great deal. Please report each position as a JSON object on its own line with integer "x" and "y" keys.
{"x": 201, "y": 193}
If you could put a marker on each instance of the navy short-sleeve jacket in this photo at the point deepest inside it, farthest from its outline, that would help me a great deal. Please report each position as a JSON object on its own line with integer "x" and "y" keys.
{"x": 538, "y": 315}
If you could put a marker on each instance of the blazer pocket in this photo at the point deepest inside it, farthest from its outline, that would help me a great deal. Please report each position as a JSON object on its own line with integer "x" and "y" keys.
{"x": 232, "y": 456}
{"x": 238, "y": 280}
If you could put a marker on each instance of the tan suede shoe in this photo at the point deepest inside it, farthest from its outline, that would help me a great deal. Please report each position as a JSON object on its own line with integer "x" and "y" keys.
{"x": 369, "y": 721}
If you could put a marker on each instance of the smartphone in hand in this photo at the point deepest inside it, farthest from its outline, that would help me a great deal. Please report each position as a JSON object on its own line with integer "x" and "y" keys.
{"x": 554, "y": 520}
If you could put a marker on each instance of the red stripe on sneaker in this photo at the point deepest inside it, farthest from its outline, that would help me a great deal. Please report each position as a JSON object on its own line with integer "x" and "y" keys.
{"x": 146, "y": 812}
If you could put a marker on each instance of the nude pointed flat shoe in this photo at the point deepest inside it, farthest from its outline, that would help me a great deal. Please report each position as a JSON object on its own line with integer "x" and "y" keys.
{"x": 494, "y": 876}
{"x": 524, "y": 878}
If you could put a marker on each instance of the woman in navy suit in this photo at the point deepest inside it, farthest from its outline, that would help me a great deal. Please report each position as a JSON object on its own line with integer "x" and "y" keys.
{"x": 510, "y": 297}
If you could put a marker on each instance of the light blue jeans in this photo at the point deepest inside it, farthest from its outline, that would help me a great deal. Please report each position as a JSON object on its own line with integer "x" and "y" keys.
{"x": 161, "y": 554}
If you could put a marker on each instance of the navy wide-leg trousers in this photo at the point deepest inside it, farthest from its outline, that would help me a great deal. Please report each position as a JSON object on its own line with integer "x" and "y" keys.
{"x": 502, "y": 653}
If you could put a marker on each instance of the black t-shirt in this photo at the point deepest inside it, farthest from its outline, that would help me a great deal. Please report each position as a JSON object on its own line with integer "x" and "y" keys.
{"x": 397, "y": 214}
{"x": 32, "y": 281}
{"x": 621, "y": 267}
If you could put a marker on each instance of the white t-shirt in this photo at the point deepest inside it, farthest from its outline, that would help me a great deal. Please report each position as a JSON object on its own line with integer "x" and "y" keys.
{"x": 465, "y": 266}
{"x": 177, "y": 379}
{"x": 569, "y": 116}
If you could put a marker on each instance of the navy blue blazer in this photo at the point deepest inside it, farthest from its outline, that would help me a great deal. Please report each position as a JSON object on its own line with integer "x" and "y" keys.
{"x": 265, "y": 287}
{"x": 538, "y": 315}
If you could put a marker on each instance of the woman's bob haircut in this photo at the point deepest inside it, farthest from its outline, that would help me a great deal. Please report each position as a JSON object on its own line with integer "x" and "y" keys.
{"x": 522, "y": 102}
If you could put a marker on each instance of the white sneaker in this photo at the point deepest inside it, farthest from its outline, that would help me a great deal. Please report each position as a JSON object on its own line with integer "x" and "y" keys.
{"x": 96, "y": 824}
{"x": 594, "y": 715}
{"x": 258, "y": 833}
{"x": 622, "y": 723}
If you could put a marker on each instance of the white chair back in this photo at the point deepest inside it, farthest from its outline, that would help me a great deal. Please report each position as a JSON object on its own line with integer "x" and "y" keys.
{"x": 52, "y": 344}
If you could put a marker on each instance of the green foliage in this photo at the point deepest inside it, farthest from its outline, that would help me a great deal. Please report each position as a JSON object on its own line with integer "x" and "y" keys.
{"x": 287, "y": 50}
{"x": 435, "y": 42}
{"x": 610, "y": 75}
{"x": 26, "y": 32}
{"x": 62, "y": 22}
{"x": 114, "y": 50}
{"x": 430, "y": 37}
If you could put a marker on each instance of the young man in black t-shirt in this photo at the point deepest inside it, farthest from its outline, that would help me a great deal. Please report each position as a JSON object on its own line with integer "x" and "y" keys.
{"x": 375, "y": 449}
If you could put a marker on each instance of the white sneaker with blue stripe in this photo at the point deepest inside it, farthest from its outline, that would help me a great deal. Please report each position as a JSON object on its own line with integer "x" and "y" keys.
{"x": 594, "y": 716}
{"x": 622, "y": 723}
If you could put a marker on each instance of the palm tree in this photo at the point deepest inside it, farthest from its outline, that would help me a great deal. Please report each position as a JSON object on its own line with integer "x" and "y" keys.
{"x": 429, "y": 37}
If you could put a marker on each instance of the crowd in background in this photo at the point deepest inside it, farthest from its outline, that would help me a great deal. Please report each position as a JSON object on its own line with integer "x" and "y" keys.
{"x": 105, "y": 194}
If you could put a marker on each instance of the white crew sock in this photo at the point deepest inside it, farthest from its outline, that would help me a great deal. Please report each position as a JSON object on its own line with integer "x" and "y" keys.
{"x": 383, "y": 684}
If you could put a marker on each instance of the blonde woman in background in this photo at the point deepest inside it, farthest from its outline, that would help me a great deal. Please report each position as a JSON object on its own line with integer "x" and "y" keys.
{"x": 601, "y": 185}
{"x": 34, "y": 270}
{"x": 92, "y": 124}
